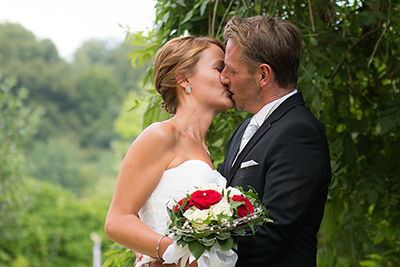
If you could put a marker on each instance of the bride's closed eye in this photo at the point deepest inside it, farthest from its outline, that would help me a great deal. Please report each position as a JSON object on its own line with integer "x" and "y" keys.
{"x": 219, "y": 69}
{"x": 219, "y": 66}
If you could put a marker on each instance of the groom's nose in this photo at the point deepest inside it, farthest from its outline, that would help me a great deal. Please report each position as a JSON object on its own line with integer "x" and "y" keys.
{"x": 224, "y": 78}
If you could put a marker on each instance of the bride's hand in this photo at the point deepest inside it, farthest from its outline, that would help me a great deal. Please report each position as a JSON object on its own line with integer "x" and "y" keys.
{"x": 193, "y": 264}
{"x": 138, "y": 258}
{"x": 159, "y": 264}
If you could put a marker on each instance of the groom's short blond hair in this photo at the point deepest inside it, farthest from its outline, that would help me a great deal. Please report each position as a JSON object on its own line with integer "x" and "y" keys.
{"x": 273, "y": 41}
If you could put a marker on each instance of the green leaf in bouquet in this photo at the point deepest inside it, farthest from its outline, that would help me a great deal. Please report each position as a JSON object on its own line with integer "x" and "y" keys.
{"x": 223, "y": 235}
{"x": 235, "y": 204}
{"x": 203, "y": 234}
{"x": 251, "y": 192}
{"x": 179, "y": 212}
{"x": 239, "y": 188}
{"x": 268, "y": 220}
{"x": 226, "y": 244}
{"x": 224, "y": 220}
{"x": 182, "y": 243}
{"x": 208, "y": 241}
{"x": 178, "y": 238}
{"x": 172, "y": 214}
{"x": 239, "y": 232}
{"x": 235, "y": 244}
{"x": 188, "y": 239}
{"x": 250, "y": 225}
{"x": 196, "y": 249}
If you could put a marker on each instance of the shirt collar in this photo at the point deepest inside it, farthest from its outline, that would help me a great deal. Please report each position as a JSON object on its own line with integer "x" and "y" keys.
{"x": 261, "y": 115}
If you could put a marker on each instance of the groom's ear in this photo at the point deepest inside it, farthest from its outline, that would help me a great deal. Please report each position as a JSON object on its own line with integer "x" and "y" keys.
{"x": 181, "y": 80}
{"x": 265, "y": 74}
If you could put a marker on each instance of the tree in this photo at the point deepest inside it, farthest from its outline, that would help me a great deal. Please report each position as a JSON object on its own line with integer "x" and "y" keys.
{"x": 128, "y": 125}
{"x": 113, "y": 59}
{"x": 61, "y": 163}
{"x": 75, "y": 107}
{"x": 37, "y": 66}
{"x": 102, "y": 100}
{"x": 17, "y": 124}
{"x": 41, "y": 224}
{"x": 56, "y": 226}
{"x": 349, "y": 76}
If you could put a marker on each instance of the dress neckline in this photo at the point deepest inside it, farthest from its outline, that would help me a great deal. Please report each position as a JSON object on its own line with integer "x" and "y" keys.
{"x": 190, "y": 160}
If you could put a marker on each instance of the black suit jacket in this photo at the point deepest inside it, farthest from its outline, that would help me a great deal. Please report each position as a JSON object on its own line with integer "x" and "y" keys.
{"x": 291, "y": 178}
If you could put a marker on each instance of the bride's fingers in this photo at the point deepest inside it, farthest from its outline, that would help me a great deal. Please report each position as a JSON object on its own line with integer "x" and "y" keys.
{"x": 138, "y": 258}
{"x": 159, "y": 264}
{"x": 193, "y": 264}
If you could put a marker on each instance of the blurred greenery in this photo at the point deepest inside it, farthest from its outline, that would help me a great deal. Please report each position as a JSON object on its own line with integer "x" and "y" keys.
{"x": 62, "y": 142}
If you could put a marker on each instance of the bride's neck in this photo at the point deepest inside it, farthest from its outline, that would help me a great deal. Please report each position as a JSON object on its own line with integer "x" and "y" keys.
{"x": 196, "y": 121}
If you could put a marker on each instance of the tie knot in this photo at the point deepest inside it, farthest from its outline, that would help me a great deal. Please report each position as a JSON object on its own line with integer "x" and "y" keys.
{"x": 249, "y": 132}
{"x": 252, "y": 124}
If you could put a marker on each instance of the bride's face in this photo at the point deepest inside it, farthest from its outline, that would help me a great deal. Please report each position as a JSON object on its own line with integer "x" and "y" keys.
{"x": 206, "y": 83}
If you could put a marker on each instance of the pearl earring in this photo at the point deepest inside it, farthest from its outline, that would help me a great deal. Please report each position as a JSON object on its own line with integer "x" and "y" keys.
{"x": 188, "y": 89}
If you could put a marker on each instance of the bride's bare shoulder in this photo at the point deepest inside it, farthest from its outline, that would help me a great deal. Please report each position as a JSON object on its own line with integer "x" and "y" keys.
{"x": 164, "y": 132}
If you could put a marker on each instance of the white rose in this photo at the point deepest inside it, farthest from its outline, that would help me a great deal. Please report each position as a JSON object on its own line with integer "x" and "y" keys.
{"x": 194, "y": 214}
{"x": 234, "y": 191}
{"x": 211, "y": 186}
{"x": 200, "y": 226}
{"x": 222, "y": 207}
{"x": 198, "y": 216}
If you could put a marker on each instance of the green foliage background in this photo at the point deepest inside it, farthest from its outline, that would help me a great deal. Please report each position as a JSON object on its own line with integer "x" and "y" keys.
{"x": 59, "y": 149}
{"x": 65, "y": 126}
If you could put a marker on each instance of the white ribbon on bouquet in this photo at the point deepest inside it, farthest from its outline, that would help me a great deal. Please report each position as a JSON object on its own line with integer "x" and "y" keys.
{"x": 213, "y": 258}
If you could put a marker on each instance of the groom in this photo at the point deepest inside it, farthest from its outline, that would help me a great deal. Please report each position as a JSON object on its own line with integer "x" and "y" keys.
{"x": 282, "y": 151}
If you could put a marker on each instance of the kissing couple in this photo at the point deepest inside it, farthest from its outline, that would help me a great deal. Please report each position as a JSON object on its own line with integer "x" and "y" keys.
{"x": 281, "y": 151}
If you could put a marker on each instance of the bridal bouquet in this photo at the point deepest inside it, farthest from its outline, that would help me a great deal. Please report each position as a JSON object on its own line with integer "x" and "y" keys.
{"x": 209, "y": 219}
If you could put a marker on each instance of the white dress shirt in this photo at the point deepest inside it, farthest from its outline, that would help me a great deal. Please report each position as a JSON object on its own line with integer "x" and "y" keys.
{"x": 267, "y": 110}
{"x": 259, "y": 118}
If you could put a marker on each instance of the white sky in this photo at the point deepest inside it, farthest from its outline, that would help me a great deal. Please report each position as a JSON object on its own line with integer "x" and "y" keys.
{"x": 69, "y": 23}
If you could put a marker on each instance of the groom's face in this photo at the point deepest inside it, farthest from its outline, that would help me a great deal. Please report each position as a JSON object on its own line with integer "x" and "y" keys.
{"x": 242, "y": 84}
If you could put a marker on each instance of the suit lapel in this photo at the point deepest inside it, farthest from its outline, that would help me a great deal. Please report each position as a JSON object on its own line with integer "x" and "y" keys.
{"x": 288, "y": 104}
{"x": 260, "y": 132}
{"x": 236, "y": 143}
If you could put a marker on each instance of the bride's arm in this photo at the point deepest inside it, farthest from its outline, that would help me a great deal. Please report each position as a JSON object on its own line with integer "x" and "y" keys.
{"x": 140, "y": 173}
{"x": 160, "y": 264}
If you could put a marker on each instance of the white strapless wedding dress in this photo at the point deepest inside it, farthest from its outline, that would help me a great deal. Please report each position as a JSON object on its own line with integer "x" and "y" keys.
{"x": 173, "y": 186}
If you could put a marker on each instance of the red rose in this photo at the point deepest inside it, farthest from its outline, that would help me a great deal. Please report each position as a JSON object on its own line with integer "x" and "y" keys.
{"x": 180, "y": 203}
{"x": 246, "y": 208}
{"x": 204, "y": 199}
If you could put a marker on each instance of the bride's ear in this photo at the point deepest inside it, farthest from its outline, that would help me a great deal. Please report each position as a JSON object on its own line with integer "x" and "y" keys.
{"x": 182, "y": 80}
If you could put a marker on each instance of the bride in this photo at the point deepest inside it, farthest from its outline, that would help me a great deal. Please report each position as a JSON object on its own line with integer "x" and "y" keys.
{"x": 170, "y": 157}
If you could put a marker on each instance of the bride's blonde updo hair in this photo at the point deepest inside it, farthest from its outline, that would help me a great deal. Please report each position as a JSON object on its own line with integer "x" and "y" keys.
{"x": 178, "y": 57}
